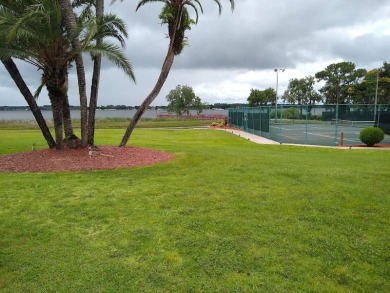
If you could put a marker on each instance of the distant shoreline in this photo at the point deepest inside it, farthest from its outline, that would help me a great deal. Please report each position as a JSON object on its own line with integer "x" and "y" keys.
{"x": 100, "y": 114}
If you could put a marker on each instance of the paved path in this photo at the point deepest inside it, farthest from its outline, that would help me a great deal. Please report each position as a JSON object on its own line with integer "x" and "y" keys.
{"x": 249, "y": 136}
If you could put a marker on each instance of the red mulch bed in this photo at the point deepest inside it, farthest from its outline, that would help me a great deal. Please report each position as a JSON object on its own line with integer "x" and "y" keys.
{"x": 104, "y": 158}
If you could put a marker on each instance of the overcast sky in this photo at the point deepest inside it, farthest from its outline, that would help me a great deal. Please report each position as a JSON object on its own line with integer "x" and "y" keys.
{"x": 234, "y": 52}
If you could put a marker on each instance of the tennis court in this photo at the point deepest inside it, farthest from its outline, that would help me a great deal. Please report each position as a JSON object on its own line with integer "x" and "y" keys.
{"x": 326, "y": 129}
{"x": 318, "y": 134}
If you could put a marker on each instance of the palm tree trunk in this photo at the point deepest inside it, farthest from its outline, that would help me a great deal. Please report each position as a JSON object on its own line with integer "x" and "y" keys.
{"x": 95, "y": 83}
{"x": 70, "y": 23}
{"x": 150, "y": 98}
{"x": 56, "y": 105}
{"x": 68, "y": 127}
{"x": 161, "y": 79}
{"x": 15, "y": 74}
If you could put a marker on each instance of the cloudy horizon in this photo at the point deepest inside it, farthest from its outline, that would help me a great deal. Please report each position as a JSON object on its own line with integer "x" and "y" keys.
{"x": 234, "y": 52}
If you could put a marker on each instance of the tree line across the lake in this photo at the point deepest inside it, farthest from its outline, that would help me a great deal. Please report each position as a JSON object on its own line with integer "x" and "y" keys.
{"x": 215, "y": 106}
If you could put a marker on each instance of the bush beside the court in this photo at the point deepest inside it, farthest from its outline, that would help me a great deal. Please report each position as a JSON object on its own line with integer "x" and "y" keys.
{"x": 315, "y": 117}
{"x": 371, "y": 135}
{"x": 291, "y": 113}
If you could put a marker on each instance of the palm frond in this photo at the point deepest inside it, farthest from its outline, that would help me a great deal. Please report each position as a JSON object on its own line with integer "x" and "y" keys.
{"x": 39, "y": 89}
{"x": 232, "y": 4}
{"x": 200, "y": 5}
{"x": 114, "y": 22}
{"x": 189, "y": 3}
{"x": 21, "y": 54}
{"x": 143, "y": 2}
{"x": 219, "y": 5}
{"x": 79, "y": 3}
{"x": 114, "y": 54}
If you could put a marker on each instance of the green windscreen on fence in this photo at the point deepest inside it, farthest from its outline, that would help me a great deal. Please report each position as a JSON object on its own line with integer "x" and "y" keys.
{"x": 327, "y": 125}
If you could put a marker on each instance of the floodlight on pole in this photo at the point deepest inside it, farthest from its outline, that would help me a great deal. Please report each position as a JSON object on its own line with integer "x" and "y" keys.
{"x": 277, "y": 70}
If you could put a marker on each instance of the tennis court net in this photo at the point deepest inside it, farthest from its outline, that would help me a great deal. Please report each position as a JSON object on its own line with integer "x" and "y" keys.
{"x": 353, "y": 123}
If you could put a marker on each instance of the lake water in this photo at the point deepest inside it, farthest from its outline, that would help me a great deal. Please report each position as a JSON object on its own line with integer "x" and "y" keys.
{"x": 27, "y": 115}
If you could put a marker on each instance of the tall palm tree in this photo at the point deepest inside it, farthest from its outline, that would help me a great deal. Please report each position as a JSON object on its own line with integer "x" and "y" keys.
{"x": 104, "y": 26}
{"x": 70, "y": 24}
{"x": 97, "y": 62}
{"x": 33, "y": 31}
{"x": 176, "y": 16}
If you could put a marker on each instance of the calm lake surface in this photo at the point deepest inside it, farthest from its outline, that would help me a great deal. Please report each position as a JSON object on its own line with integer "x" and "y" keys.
{"x": 27, "y": 115}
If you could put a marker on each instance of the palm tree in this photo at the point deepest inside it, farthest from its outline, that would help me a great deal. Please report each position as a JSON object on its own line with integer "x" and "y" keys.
{"x": 97, "y": 62}
{"x": 103, "y": 26}
{"x": 70, "y": 24}
{"x": 19, "y": 81}
{"x": 33, "y": 31}
{"x": 176, "y": 16}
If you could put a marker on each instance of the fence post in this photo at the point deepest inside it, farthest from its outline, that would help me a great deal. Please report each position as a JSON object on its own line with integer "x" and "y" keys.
{"x": 337, "y": 122}
{"x": 280, "y": 122}
{"x": 377, "y": 122}
{"x": 307, "y": 108}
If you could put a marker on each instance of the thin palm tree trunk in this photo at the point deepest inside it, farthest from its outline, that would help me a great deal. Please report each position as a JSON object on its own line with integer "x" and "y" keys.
{"x": 56, "y": 104}
{"x": 95, "y": 82}
{"x": 15, "y": 74}
{"x": 166, "y": 67}
{"x": 68, "y": 127}
{"x": 70, "y": 23}
{"x": 150, "y": 98}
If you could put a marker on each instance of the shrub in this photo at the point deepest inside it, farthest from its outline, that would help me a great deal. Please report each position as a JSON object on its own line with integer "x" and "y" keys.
{"x": 291, "y": 113}
{"x": 272, "y": 114}
{"x": 371, "y": 135}
{"x": 218, "y": 124}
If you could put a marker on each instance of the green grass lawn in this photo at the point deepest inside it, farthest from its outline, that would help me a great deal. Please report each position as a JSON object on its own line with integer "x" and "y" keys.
{"x": 226, "y": 215}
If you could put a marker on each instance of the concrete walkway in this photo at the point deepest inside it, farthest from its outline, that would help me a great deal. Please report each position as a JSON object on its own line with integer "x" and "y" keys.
{"x": 252, "y": 137}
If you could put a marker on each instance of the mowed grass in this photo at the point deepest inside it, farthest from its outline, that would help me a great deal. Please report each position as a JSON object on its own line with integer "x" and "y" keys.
{"x": 226, "y": 215}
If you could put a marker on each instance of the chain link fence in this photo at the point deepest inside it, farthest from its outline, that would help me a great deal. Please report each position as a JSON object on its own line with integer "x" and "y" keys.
{"x": 326, "y": 125}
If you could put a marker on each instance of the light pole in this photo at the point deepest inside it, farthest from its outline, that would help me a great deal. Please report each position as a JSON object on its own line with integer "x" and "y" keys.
{"x": 376, "y": 95}
{"x": 277, "y": 85}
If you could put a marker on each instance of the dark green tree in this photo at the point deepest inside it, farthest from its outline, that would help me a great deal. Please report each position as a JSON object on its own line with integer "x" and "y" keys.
{"x": 261, "y": 97}
{"x": 339, "y": 78}
{"x": 199, "y": 106}
{"x": 182, "y": 99}
{"x": 301, "y": 91}
{"x": 376, "y": 84}
{"x": 365, "y": 91}
{"x": 384, "y": 84}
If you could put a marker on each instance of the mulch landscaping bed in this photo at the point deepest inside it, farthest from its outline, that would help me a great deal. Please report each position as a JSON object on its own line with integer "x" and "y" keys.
{"x": 101, "y": 158}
